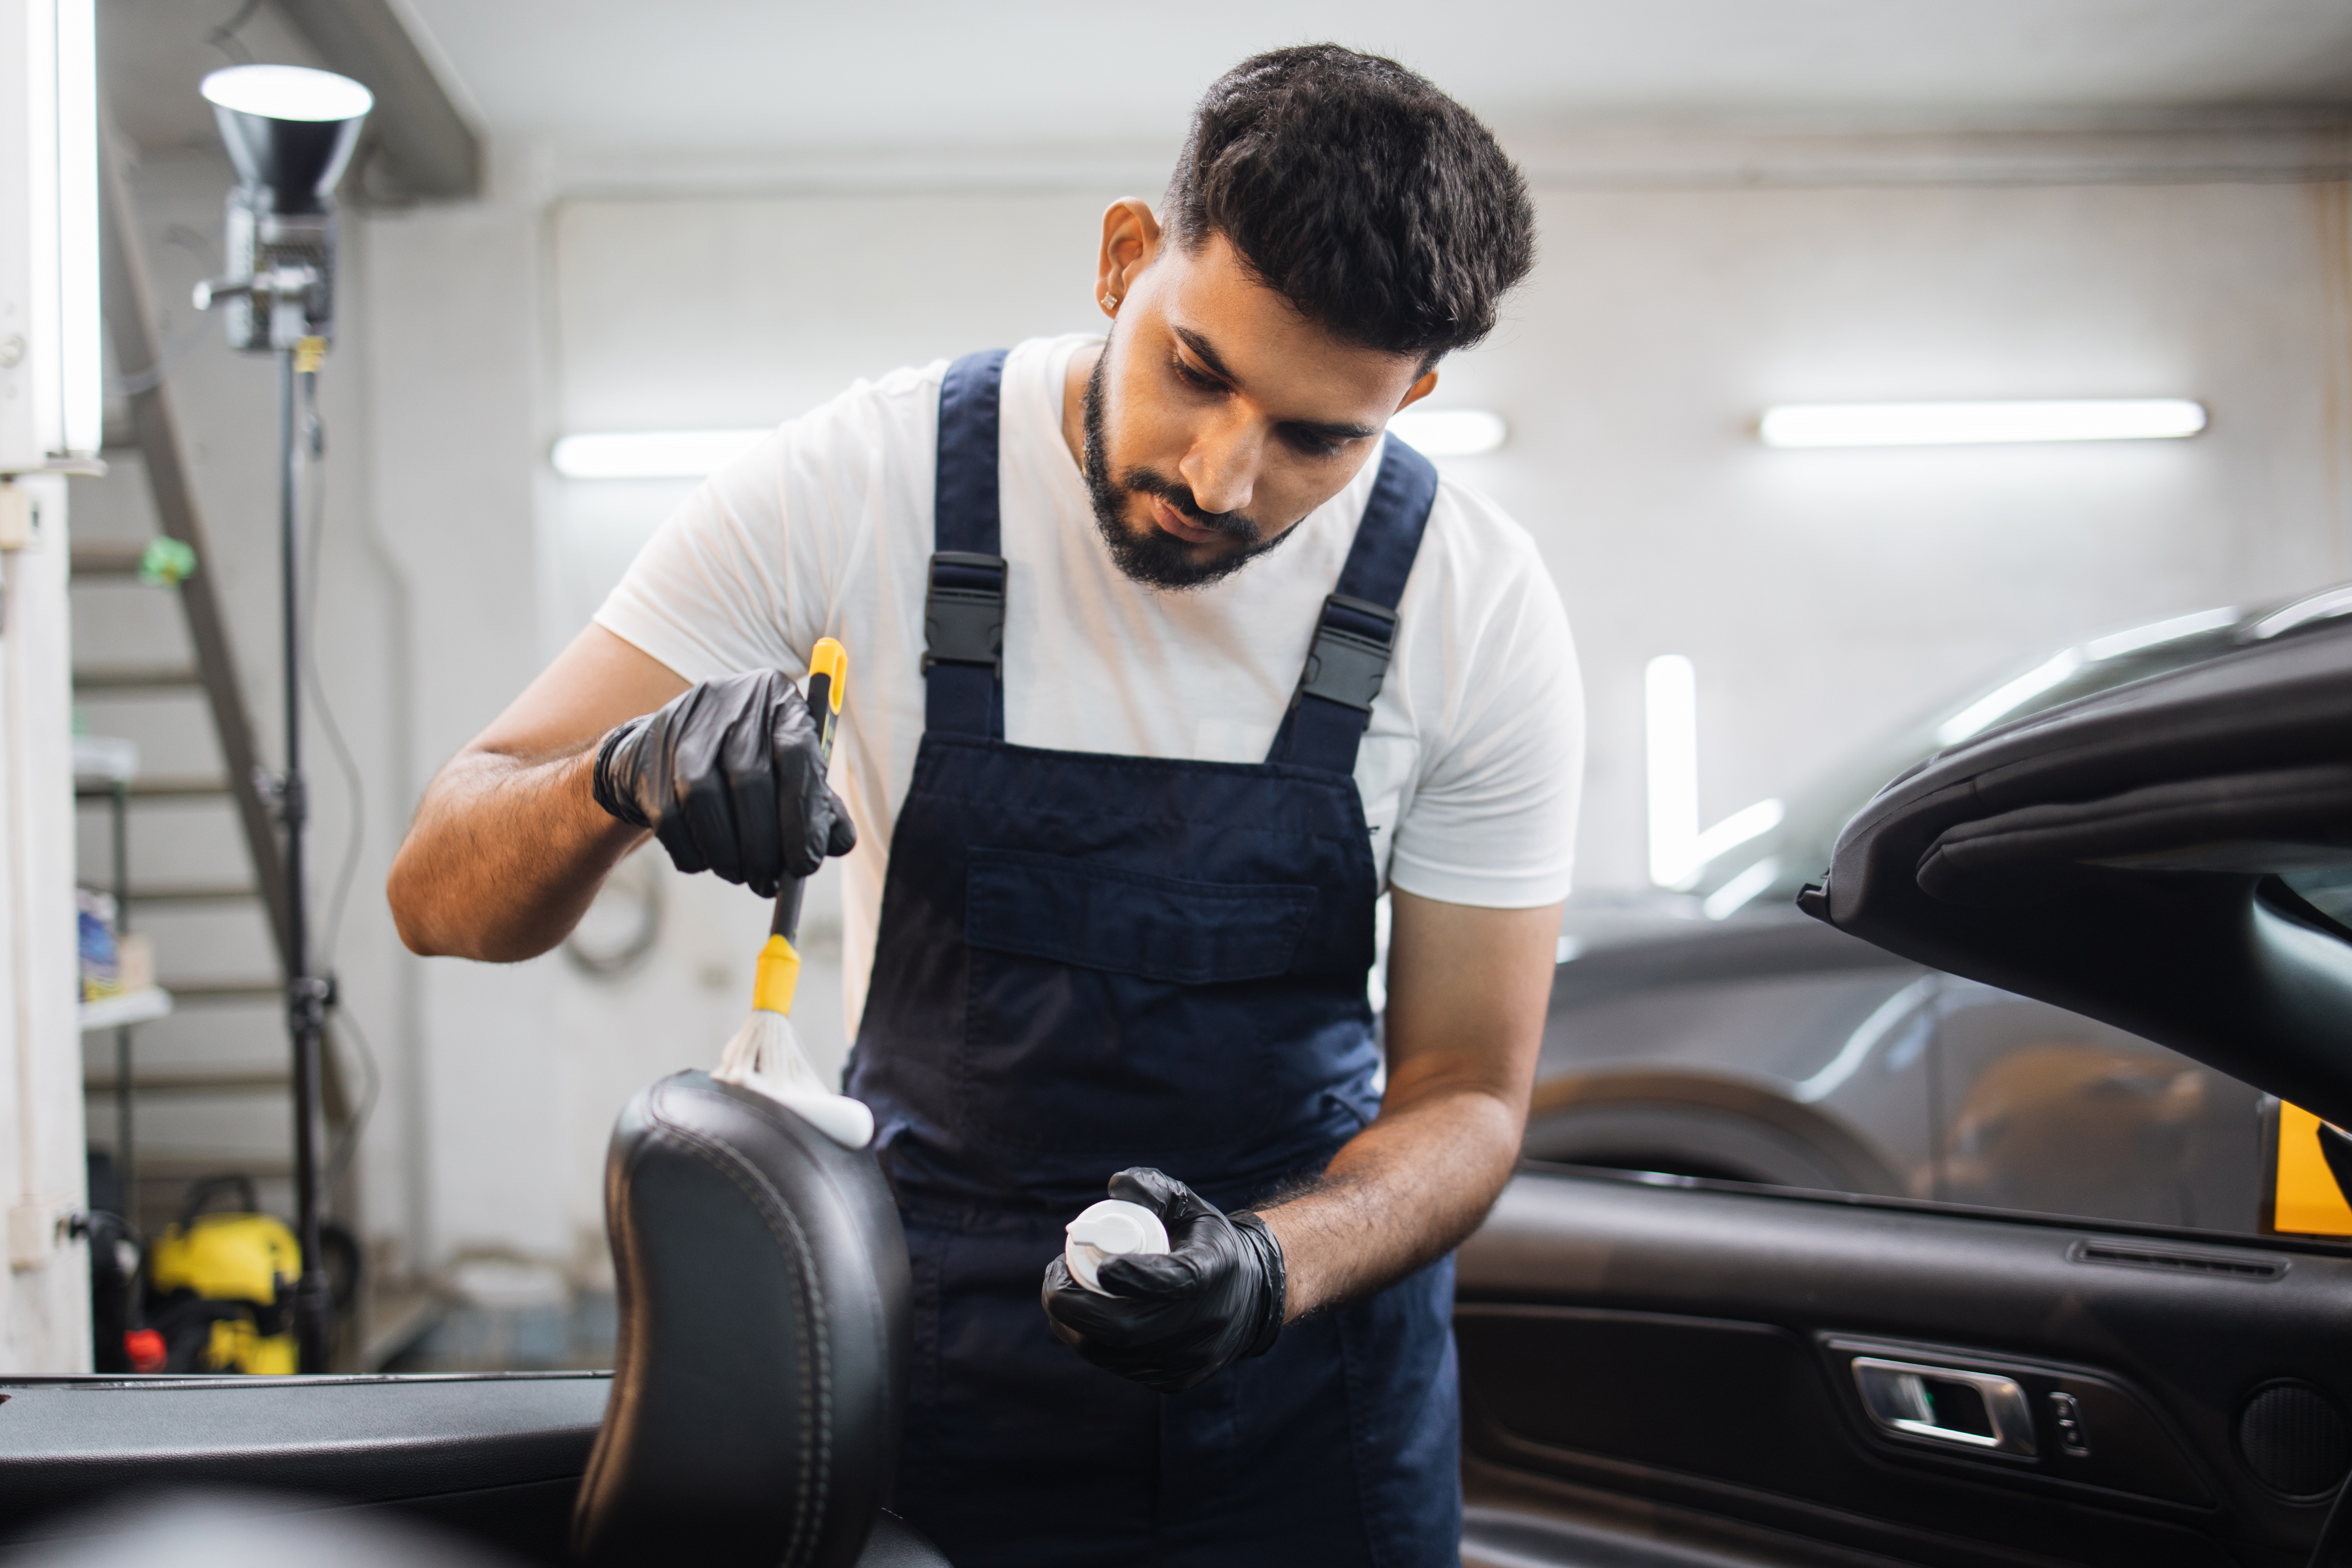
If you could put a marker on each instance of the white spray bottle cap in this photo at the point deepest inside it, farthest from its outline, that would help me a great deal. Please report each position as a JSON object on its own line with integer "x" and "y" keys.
{"x": 1111, "y": 1229}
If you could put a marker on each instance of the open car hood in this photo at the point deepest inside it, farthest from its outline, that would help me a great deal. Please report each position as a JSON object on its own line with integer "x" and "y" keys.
{"x": 2122, "y": 856}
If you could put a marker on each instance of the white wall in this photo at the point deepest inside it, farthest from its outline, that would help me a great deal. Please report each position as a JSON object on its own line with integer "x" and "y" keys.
{"x": 1823, "y": 595}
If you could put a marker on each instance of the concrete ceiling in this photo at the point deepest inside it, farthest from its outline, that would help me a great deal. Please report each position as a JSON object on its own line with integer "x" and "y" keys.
{"x": 619, "y": 94}
{"x": 613, "y": 75}
{"x": 153, "y": 54}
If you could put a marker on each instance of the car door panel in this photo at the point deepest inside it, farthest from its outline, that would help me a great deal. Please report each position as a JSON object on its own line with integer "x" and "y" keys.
{"x": 496, "y": 1456}
{"x": 1689, "y": 1347}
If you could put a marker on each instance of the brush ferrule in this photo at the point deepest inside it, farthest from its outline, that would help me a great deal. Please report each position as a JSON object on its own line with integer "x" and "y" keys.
{"x": 777, "y": 976}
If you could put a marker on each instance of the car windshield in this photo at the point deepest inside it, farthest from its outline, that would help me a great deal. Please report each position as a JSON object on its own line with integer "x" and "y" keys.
{"x": 1768, "y": 868}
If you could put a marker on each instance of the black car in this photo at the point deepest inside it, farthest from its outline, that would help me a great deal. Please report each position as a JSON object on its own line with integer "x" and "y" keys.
{"x": 1676, "y": 1369}
{"x": 1722, "y": 1035}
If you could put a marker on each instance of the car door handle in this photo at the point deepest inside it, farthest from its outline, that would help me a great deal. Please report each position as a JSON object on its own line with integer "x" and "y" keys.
{"x": 1980, "y": 1410}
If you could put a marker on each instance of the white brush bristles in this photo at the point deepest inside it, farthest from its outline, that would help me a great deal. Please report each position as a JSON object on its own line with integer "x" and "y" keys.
{"x": 765, "y": 1055}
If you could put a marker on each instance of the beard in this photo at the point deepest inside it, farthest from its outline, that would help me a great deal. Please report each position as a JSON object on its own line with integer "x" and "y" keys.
{"x": 1148, "y": 554}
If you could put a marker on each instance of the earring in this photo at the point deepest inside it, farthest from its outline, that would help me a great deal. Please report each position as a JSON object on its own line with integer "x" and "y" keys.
{"x": 1110, "y": 303}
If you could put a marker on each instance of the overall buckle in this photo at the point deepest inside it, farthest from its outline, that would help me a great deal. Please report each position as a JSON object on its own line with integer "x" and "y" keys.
{"x": 963, "y": 614}
{"x": 1350, "y": 653}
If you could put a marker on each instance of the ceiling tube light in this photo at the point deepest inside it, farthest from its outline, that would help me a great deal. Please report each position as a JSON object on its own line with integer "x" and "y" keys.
{"x": 1450, "y": 432}
{"x": 82, "y": 390}
{"x": 652, "y": 453}
{"x": 1670, "y": 724}
{"x": 1748, "y": 822}
{"x": 1980, "y": 424}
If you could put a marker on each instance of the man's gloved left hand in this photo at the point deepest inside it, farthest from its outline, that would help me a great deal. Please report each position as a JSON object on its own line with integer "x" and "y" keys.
{"x": 1215, "y": 1297}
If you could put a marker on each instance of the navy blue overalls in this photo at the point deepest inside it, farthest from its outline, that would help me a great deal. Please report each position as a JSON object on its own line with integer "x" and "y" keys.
{"x": 1087, "y": 962}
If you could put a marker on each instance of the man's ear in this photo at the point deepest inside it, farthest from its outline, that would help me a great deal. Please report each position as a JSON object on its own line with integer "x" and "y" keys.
{"x": 1130, "y": 238}
{"x": 1419, "y": 390}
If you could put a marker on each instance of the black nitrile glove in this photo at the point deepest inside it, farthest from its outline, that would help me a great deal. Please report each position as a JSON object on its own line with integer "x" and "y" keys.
{"x": 727, "y": 776}
{"x": 1215, "y": 1297}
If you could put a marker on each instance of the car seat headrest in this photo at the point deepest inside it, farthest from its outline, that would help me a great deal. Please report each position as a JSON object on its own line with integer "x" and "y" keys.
{"x": 761, "y": 1364}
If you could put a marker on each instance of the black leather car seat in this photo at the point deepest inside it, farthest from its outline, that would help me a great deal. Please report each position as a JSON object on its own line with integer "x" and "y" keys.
{"x": 761, "y": 1372}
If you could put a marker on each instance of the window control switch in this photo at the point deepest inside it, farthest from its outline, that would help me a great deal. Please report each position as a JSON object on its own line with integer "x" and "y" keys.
{"x": 2066, "y": 1414}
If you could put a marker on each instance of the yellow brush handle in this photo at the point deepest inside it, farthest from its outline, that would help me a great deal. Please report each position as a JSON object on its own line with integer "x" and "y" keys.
{"x": 779, "y": 971}
{"x": 831, "y": 660}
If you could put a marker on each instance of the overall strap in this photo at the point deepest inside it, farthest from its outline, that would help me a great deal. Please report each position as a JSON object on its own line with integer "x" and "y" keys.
{"x": 964, "y": 612}
{"x": 1358, "y": 627}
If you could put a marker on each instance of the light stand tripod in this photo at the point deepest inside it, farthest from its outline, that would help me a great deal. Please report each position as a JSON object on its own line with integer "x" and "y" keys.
{"x": 290, "y": 133}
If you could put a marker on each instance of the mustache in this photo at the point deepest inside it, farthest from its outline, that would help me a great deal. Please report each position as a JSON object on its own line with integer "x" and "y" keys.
{"x": 1235, "y": 525}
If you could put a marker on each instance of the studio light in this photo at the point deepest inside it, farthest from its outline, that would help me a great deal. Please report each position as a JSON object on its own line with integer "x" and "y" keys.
{"x": 289, "y": 133}
{"x": 1451, "y": 432}
{"x": 1980, "y": 424}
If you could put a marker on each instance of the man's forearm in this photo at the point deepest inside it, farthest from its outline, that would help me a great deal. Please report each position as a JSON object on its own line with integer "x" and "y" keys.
{"x": 504, "y": 855}
{"x": 1404, "y": 1191}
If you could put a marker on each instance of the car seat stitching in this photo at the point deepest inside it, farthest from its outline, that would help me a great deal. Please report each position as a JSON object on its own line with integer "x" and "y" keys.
{"x": 602, "y": 1454}
{"x": 815, "y": 1459}
{"x": 813, "y": 1466}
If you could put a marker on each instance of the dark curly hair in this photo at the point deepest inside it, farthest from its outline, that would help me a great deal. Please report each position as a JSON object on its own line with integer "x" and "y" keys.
{"x": 1381, "y": 209}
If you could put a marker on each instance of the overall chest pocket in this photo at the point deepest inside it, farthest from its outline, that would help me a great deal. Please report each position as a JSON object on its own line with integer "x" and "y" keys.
{"x": 1125, "y": 1012}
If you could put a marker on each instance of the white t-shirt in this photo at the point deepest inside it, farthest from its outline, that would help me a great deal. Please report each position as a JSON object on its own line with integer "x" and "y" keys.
{"x": 1470, "y": 768}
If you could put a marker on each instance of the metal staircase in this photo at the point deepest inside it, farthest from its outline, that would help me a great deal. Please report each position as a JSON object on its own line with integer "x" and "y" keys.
{"x": 206, "y": 876}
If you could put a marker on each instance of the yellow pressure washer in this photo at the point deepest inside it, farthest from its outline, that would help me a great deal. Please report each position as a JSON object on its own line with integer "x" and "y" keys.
{"x": 222, "y": 1284}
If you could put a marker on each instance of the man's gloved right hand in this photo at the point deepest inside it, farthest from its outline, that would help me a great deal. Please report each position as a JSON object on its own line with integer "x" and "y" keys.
{"x": 727, "y": 776}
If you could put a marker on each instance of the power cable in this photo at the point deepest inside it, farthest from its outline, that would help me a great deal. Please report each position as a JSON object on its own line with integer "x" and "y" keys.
{"x": 224, "y": 38}
{"x": 134, "y": 383}
{"x": 345, "y": 1148}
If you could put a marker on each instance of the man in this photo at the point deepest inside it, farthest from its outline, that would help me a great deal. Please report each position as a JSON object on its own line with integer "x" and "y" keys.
{"x": 1113, "y": 909}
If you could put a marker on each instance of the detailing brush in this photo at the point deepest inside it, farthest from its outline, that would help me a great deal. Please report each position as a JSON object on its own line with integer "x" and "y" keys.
{"x": 765, "y": 1053}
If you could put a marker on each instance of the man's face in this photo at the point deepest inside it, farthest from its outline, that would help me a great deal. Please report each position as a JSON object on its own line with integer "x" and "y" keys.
{"x": 1218, "y": 417}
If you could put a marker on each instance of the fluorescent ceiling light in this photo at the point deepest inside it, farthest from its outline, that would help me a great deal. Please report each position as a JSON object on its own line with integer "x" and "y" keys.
{"x": 1748, "y": 822}
{"x": 692, "y": 453}
{"x": 82, "y": 359}
{"x": 1450, "y": 432}
{"x": 1670, "y": 713}
{"x": 287, "y": 92}
{"x": 651, "y": 454}
{"x": 1976, "y": 424}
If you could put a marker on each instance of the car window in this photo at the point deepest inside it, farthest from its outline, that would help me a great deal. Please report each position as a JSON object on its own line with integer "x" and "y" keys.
{"x": 2049, "y": 1112}
{"x": 1893, "y": 1079}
